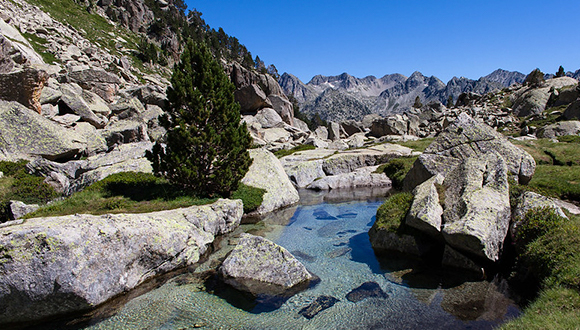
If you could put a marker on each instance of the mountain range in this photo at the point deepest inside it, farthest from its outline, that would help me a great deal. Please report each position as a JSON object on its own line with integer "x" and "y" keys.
{"x": 344, "y": 97}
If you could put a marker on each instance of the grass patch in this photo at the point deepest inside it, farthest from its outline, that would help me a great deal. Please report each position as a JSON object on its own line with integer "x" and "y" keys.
{"x": 557, "y": 181}
{"x": 554, "y": 257}
{"x": 251, "y": 196}
{"x": 419, "y": 145}
{"x": 546, "y": 151}
{"x": 555, "y": 308}
{"x": 392, "y": 213}
{"x": 39, "y": 45}
{"x": 286, "y": 152}
{"x": 396, "y": 169}
{"x": 128, "y": 192}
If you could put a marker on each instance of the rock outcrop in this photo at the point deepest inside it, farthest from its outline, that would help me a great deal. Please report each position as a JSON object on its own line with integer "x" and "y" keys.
{"x": 59, "y": 265}
{"x": 259, "y": 266}
{"x": 466, "y": 138}
{"x": 563, "y": 128}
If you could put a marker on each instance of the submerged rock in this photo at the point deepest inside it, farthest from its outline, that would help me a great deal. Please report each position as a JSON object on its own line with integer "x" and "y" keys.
{"x": 262, "y": 267}
{"x": 366, "y": 290}
{"x": 321, "y": 303}
{"x": 59, "y": 265}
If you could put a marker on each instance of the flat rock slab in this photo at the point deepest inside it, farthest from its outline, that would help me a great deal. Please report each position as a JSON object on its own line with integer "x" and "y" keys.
{"x": 59, "y": 265}
{"x": 321, "y": 303}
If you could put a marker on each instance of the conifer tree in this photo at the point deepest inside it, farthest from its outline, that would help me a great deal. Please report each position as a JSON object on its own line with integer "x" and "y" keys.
{"x": 417, "y": 103}
{"x": 561, "y": 72}
{"x": 206, "y": 145}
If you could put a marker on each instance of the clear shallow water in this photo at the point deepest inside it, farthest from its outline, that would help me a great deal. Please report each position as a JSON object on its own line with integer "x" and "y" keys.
{"x": 331, "y": 240}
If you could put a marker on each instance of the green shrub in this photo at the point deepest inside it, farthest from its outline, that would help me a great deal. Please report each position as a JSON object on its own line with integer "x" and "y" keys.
{"x": 251, "y": 196}
{"x": 392, "y": 213}
{"x": 569, "y": 139}
{"x": 554, "y": 257}
{"x": 285, "y": 152}
{"x": 12, "y": 168}
{"x": 27, "y": 188}
{"x": 396, "y": 169}
{"x": 555, "y": 308}
{"x": 537, "y": 222}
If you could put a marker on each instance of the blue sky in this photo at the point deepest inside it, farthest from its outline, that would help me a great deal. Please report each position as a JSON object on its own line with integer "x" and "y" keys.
{"x": 469, "y": 38}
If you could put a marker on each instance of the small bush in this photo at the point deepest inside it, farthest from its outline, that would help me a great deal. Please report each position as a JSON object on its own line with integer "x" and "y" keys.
{"x": 569, "y": 139}
{"x": 392, "y": 213}
{"x": 554, "y": 257}
{"x": 286, "y": 152}
{"x": 396, "y": 169}
{"x": 12, "y": 168}
{"x": 251, "y": 196}
{"x": 537, "y": 222}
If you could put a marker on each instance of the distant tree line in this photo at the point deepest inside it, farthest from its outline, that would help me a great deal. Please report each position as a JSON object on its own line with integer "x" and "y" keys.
{"x": 185, "y": 27}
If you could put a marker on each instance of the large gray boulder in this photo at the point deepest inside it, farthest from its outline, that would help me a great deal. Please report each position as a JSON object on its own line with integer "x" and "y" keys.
{"x": 97, "y": 80}
{"x": 252, "y": 98}
{"x": 463, "y": 139}
{"x": 259, "y": 266}
{"x": 24, "y": 131}
{"x": 266, "y": 172}
{"x": 477, "y": 208}
{"x": 73, "y": 263}
{"x": 73, "y": 102}
{"x": 532, "y": 102}
{"x": 573, "y": 110}
{"x": 563, "y": 128}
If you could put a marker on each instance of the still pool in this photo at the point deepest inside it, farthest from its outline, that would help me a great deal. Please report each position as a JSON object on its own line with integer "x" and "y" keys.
{"x": 331, "y": 239}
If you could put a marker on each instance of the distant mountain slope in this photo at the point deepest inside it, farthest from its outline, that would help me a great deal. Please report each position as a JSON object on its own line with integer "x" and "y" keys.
{"x": 342, "y": 97}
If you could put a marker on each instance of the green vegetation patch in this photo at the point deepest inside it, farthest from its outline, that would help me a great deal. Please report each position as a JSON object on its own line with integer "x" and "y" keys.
{"x": 557, "y": 181}
{"x": 396, "y": 169}
{"x": 556, "y": 308}
{"x": 554, "y": 257}
{"x": 392, "y": 213}
{"x": 286, "y": 152}
{"x": 251, "y": 196}
{"x": 128, "y": 192}
{"x": 536, "y": 223}
{"x": 17, "y": 184}
{"x": 419, "y": 145}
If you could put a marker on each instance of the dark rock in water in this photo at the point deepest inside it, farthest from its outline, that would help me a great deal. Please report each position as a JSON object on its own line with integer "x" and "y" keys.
{"x": 348, "y": 215}
{"x": 321, "y": 303}
{"x": 323, "y": 215}
{"x": 338, "y": 252}
{"x": 303, "y": 256}
{"x": 307, "y": 228}
{"x": 366, "y": 290}
{"x": 330, "y": 229}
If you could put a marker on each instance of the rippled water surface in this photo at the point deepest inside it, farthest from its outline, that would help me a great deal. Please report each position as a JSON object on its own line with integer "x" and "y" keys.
{"x": 331, "y": 240}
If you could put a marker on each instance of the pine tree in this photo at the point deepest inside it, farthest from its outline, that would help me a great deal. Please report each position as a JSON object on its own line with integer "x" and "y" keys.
{"x": 417, "y": 103}
{"x": 535, "y": 78}
{"x": 206, "y": 147}
{"x": 560, "y": 72}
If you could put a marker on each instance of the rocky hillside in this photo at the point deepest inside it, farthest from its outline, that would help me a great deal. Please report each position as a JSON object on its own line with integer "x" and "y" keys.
{"x": 344, "y": 97}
